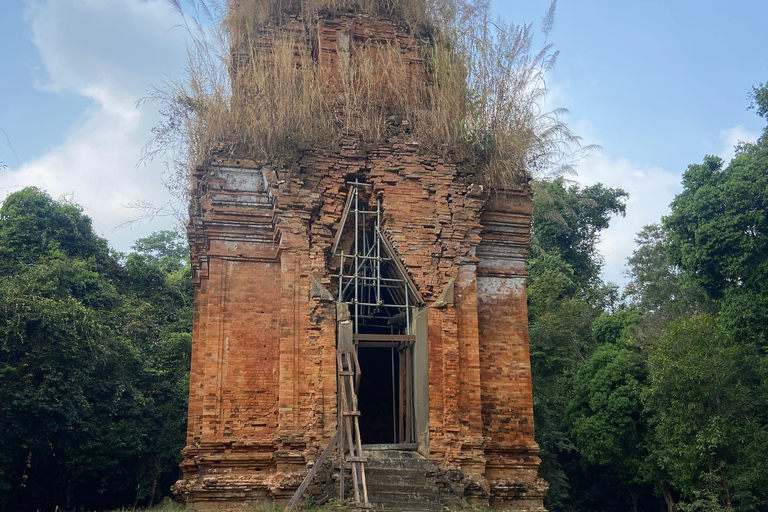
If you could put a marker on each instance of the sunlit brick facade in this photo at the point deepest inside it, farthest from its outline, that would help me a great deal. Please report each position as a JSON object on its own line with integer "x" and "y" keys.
{"x": 263, "y": 387}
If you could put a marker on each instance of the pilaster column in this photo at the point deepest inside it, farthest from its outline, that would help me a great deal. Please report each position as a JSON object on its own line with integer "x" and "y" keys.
{"x": 512, "y": 460}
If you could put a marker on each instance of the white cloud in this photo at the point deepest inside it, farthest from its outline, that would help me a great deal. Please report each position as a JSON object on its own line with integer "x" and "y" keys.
{"x": 650, "y": 189}
{"x": 731, "y": 138}
{"x": 109, "y": 51}
{"x": 96, "y": 165}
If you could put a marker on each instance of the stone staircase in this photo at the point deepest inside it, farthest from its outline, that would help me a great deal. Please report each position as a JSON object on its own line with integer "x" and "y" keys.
{"x": 402, "y": 481}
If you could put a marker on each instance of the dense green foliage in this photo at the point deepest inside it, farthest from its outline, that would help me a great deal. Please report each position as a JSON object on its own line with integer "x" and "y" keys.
{"x": 654, "y": 401}
{"x": 709, "y": 415}
{"x": 718, "y": 223}
{"x": 567, "y": 221}
{"x": 660, "y": 403}
{"x": 94, "y": 361}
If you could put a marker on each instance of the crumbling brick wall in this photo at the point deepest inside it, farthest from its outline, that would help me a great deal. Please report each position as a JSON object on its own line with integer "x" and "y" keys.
{"x": 263, "y": 398}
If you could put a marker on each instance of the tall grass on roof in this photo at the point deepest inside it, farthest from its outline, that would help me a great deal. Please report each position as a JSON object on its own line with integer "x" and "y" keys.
{"x": 253, "y": 89}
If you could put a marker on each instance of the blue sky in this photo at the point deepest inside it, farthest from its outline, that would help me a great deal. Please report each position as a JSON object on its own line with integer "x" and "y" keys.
{"x": 657, "y": 85}
{"x": 658, "y": 79}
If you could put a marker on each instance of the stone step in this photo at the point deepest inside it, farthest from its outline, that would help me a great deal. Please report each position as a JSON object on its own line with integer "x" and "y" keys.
{"x": 403, "y": 485}
{"x": 400, "y": 456}
{"x": 402, "y": 497}
{"x": 424, "y": 465}
{"x": 383, "y": 454}
{"x": 410, "y": 507}
{"x": 402, "y": 481}
{"x": 398, "y": 485}
{"x": 387, "y": 473}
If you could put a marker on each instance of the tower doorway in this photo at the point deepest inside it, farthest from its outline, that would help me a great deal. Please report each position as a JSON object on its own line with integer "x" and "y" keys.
{"x": 381, "y": 299}
{"x": 386, "y": 389}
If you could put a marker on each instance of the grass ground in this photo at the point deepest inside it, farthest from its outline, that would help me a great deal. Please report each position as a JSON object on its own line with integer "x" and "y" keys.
{"x": 171, "y": 506}
{"x": 333, "y": 507}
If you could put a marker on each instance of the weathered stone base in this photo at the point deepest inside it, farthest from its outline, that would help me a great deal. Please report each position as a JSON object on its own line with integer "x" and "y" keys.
{"x": 237, "y": 476}
{"x": 518, "y": 497}
{"x": 231, "y": 487}
{"x": 513, "y": 479}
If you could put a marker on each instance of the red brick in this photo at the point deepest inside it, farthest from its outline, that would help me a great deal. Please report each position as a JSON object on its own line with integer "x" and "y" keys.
{"x": 263, "y": 382}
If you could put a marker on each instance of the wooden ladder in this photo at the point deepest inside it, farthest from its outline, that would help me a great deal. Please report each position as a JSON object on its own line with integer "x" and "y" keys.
{"x": 348, "y": 369}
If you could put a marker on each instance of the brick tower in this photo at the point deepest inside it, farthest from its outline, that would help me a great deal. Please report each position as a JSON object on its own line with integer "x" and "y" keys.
{"x": 389, "y": 251}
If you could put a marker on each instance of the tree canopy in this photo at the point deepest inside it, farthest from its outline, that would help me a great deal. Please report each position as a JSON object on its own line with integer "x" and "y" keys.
{"x": 568, "y": 220}
{"x": 94, "y": 361}
{"x": 656, "y": 401}
{"x": 719, "y": 224}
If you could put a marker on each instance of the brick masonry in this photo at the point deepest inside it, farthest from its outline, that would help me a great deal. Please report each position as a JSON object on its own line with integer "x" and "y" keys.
{"x": 263, "y": 384}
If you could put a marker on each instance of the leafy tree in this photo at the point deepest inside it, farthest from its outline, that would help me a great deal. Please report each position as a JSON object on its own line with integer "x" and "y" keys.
{"x": 744, "y": 315}
{"x": 717, "y": 232}
{"x": 567, "y": 221}
{"x": 609, "y": 423}
{"x": 660, "y": 290}
{"x": 49, "y": 349}
{"x": 666, "y": 395}
{"x": 165, "y": 247}
{"x": 615, "y": 327}
{"x": 94, "y": 361}
{"x": 560, "y": 339}
{"x": 565, "y": 295}
{"x": 654, "y": 282}
{"x": 718, "y": 224}
{"x": 708, "y": 400}
{"x": 759, "y": 100}
{"x": 34, "y": 226}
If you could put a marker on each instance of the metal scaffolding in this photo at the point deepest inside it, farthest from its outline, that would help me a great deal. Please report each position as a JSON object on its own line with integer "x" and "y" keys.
{"x": 371, "y": 278}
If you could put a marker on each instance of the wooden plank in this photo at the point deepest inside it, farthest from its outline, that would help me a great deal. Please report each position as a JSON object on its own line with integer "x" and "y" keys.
{"x": 358, "y": 370}
{"x": 350, "y": 444}
{"x": 359, "y": 466}
{"x": 403, "y": 272}
{"x": 408, "y": 398}
{"x": 378, "y": 344}
{"x": 343, "y": 223}
{"x": 340, "y": 380}
{"x": 349, "y": 367}
{"x": 397, "y": 338}
{"x": 319, "y": 462}
{"x": 401, "y": 398}
{"x": 345, "y": 400}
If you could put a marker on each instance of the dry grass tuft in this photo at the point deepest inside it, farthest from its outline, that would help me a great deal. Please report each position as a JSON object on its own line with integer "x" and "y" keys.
{"x": 253, "y": 88}
{"x": 278, "y": 12}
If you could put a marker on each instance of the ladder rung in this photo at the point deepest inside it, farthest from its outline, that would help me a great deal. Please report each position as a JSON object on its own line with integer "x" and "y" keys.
{"x": 346, "y": 373}
{"x": 351, "y": 413}
{"x": 355, "y": 458}
{"x": 362, "y": 505}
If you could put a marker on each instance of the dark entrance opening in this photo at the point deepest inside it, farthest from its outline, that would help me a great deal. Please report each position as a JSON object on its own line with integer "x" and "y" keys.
{"x": 379, "y": 388}
{"x": 385, "y": 393}
{"x": 381, "y": 298}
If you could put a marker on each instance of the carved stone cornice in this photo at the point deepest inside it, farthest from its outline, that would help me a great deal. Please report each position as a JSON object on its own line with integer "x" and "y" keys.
{"x": 232, "y": 215}
{"x": 505, "y": 234}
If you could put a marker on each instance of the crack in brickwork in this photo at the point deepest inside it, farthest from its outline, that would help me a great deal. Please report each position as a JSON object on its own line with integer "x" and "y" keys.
{"x": 263, "y": 401}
